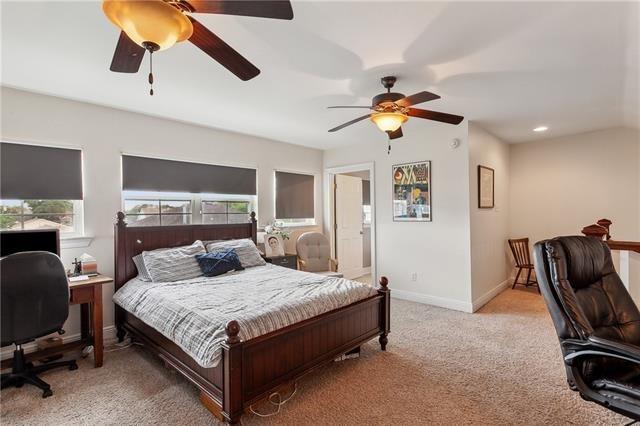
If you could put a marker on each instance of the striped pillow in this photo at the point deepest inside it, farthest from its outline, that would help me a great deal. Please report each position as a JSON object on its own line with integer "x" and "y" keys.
{"x": 174, "y": 264}
{"x": 245, "y": 249}
{"x": 143, "y": 274}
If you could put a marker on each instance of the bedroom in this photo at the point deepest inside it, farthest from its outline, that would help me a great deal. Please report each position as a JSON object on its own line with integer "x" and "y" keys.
{"x": 506, "y": 67}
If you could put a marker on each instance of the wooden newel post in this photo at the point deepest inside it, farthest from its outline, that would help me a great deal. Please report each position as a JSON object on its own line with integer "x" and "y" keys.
{"x": 595, "y": 231}
{"x": 606, "y": 224}
{"x": 232, "y": 365}
{"x": 385, "y": 312}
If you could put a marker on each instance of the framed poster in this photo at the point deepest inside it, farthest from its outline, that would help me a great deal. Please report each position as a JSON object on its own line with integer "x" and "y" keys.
{"x": 412, "y": 192}
{"x": 486, "y": 198}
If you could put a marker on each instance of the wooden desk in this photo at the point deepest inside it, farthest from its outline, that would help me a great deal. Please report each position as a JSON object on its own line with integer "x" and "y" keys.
{"x": 87, "y": 294}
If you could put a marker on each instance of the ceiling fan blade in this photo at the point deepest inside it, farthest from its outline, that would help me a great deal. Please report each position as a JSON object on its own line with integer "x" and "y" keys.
{"x": 350, "y": 106}
{"x": 435, "y": 116}
{"x": 417, "y": 98}
{"x": 215, "y": 47}
{"x": 277, "y": 9}
{"x": 349, "y": 123}
{"x": 395, "y": 134}
{"x": 128, "y": 55}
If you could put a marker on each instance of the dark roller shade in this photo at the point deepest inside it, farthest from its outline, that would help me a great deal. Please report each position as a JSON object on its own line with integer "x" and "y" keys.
{"x": 40, "y": 173}
{"x": 152, "y": 174}
{"x": 294, "y": 196}
{"x": 366, "y": 192}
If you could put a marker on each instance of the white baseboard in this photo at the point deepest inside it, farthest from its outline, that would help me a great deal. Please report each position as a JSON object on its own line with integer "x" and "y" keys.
{"x": 109, "y": 337}
{"x": 441, "y": 302}
{"x": 485, "y": 298}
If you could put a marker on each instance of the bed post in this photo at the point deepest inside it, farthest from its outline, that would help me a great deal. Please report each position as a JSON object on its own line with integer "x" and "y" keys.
{"x": 254, "y": 228}
{"x": 232, "y": 375}
{"x": 385, "y": 310}
{"x": 120, "y": 272}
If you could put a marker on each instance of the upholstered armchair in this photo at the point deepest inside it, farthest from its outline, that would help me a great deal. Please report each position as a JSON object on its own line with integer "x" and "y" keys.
{"x": 314, "y": 254}
{"x": 596, "y": 320}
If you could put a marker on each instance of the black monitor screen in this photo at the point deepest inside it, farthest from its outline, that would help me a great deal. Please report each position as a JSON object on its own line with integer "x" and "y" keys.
{"x": 35, "y": 240}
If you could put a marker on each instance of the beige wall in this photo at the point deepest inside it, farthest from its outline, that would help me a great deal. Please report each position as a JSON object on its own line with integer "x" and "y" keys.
{"x": 104, "y": 133}
{"x": 560, "y": 185}
{"x": 437, "y": 252}
{"x": 490, "y": 263}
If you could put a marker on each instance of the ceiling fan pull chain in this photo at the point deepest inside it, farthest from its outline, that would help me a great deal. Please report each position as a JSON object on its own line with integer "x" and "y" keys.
{"x": 151, "y": 71}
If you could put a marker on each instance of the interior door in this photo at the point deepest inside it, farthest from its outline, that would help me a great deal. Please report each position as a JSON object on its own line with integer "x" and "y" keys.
{"x": 348, "y": 203}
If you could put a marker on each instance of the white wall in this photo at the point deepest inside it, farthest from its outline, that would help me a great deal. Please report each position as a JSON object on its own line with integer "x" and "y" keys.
{"x": 560, "y": 185}
{"x": 490, "y": 264}
{"x": 437, "y": 251}
{"x": 104, "y": 133}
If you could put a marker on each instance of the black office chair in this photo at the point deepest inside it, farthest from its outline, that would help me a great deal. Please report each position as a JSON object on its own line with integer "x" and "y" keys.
{"x": 35, "y": 302}
{"x": 596, "y": 321}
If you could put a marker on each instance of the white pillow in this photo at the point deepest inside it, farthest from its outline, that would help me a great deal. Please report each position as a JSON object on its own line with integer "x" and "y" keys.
{"x": 143, "y": 274}
{"x": 245, "y": 249}
{"x": 174, "y": 264}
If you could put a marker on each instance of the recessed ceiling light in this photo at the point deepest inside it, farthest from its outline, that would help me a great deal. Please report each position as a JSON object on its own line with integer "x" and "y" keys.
{"x": 541, "y": 129}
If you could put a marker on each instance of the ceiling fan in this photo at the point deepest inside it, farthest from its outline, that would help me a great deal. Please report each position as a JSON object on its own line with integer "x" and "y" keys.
{"x": 391, "y": 109}
{"x": 154, "y": 25}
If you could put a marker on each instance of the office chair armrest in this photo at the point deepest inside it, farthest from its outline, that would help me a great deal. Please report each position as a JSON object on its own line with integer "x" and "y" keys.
{"x": 597, "y": 346}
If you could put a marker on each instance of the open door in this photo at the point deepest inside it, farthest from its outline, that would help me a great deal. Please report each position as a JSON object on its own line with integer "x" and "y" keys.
{"x": 348, "y": 217}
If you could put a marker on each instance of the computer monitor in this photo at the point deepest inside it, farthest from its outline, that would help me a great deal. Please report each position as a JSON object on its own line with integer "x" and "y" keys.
{"x": 31, "y": 240}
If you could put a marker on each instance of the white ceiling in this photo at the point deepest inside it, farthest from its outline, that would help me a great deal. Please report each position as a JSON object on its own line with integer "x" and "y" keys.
{"x": 509, "y": 66}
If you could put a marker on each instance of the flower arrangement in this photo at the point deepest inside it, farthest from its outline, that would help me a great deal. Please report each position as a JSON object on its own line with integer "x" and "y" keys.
{"x": 276, "y": 228}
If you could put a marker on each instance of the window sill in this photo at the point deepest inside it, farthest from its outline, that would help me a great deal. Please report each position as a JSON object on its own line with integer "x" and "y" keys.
{"x": 300, "y": 225}
{"x": 75, "y": 242}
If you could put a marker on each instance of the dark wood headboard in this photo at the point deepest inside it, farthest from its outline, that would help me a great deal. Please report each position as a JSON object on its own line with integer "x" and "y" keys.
{"x": 133, "y": 240}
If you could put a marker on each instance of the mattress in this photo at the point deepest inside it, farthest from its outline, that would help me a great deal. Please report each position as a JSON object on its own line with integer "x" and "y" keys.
{"x": 193, "y": 313}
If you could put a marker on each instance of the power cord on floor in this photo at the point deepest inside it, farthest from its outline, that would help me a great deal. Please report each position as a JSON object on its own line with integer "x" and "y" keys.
{"x": 279, "y": 403}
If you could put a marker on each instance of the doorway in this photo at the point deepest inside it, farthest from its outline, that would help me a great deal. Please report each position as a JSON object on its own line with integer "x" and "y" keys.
{"x": 352, "y": 220}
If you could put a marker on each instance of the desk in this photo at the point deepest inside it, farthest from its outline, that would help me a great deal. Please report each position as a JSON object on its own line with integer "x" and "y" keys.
{"x": 87, "y": 294}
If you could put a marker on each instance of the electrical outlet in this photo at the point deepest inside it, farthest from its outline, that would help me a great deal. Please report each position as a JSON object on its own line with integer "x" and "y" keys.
{"x": 414, "y": 276}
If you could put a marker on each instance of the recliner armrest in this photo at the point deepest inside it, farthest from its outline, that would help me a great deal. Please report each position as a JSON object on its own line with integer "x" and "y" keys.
{"x": 597, "y": 346}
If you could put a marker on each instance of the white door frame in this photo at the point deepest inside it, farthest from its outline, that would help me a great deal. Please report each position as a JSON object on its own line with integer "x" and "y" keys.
{"x": 330, "y": 223}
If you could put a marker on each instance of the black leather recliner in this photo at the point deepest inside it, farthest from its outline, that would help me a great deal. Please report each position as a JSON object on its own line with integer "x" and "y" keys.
{"x": 34, "y": 292}
{"x": 596, "y": 320}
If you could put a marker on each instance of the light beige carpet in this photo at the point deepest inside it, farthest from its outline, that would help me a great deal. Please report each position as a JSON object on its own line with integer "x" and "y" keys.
{"x": 499, "y": 366}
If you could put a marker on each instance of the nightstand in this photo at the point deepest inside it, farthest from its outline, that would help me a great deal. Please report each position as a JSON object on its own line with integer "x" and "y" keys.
{"x": 288, "y": 261}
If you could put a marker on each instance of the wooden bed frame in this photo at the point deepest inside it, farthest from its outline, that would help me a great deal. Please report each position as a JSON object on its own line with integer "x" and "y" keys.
{"x": 250, "y": 370}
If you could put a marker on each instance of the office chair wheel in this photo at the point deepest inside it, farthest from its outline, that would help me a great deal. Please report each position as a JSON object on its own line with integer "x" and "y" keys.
{"x": 47, "y": 393}
{"x": 73, "y": 366}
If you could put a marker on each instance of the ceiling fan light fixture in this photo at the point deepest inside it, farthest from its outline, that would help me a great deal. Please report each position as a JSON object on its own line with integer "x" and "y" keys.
{"x": 149, "y": 21}
{"x": 388, "y": 121}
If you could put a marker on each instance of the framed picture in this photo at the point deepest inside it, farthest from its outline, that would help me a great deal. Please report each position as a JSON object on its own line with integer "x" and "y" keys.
{"x": 412, "y": 192}
{"x": 273, "y": 245}
{"x": 486, "y": 198}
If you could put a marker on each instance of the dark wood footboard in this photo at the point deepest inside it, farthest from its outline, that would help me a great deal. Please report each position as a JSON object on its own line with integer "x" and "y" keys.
{"x": 252, "y": 369}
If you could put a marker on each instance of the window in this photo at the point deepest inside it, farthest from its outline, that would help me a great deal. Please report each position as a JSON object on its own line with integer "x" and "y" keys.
{"x": 225, "y": 211}
{"x": 295, "y": 198}
{"x": 65, "y": 215}
{"x": 144, "y": 208}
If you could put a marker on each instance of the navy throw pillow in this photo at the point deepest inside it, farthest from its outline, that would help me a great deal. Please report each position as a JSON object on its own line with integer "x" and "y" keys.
{"x": 219, "y": 262}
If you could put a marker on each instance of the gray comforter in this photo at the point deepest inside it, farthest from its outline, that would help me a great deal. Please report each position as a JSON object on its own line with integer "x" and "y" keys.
{"x": 193, "y": 313}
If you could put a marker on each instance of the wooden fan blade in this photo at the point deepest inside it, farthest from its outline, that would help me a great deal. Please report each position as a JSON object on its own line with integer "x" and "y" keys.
{"x": 278, "y": 9}
{"x": 395, "y": 134}
{"x": 128, "y": 55}
{"x": 215, "y": 47}
{"x": 435, "y": 116}
{"x": 350, "y": 106}
{"x": 417, "y": 98}
{"x": 349, "y": 123}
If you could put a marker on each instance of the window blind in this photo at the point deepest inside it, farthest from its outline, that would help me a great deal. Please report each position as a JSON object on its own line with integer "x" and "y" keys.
{"x": 29, "y": 172}
{"x": 294, "y": 196}
{"x": 152, "y": 174}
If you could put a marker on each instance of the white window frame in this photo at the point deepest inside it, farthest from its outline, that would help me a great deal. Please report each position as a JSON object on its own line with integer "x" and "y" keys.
{"x": 196, "y": 200}
{"x": 78, "y": 219}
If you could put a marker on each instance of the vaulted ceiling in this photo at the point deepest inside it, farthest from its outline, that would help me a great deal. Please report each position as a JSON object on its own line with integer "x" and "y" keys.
{"x": 508, "y": 66}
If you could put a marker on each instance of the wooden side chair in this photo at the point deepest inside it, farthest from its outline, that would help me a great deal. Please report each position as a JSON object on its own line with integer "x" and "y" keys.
{"x": 520, "y": 249}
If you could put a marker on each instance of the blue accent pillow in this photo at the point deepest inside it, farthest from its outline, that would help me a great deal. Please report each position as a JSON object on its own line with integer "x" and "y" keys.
{"x": 219, "y": 262}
